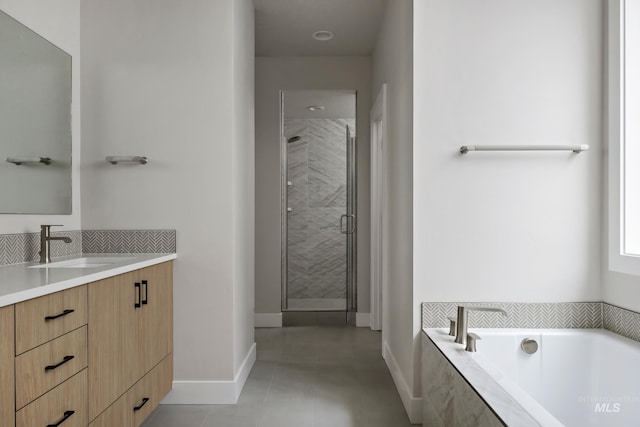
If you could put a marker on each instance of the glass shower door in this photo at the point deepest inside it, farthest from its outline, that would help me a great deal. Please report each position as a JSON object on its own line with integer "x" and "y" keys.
{"x": 318, "y": 207}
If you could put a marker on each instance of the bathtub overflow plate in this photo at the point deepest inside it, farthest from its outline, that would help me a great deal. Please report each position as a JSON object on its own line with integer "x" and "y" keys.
{"x": 529, "y": 345}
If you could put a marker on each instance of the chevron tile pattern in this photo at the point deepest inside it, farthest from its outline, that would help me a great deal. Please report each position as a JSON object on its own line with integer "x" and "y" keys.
{"x": 316, "y": 168}
{"x": 128, "y": 241}
{"x": 25, "y": 247}
{"x": 520, "y": 315}
{"x": 621, "y": 321}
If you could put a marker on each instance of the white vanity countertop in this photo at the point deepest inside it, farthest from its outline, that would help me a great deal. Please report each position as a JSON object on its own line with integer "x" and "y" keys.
{"x": 19, "y": 283}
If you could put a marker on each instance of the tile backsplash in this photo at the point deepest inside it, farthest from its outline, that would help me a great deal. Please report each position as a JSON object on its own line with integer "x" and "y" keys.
{"x": 128, "y": 241}
{"x": 539, "y": 315}
{"x": 24, "y": 247}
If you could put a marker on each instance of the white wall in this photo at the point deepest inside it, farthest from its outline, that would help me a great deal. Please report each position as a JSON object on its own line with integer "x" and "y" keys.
{"x": 243, "y": 178}
{"x": 507, "y": 226}
{"x": 58, "y": 22}
{"x": 274, "y": 74}
{"x": 392, "y": 64}
{"x": 172, "y": 81}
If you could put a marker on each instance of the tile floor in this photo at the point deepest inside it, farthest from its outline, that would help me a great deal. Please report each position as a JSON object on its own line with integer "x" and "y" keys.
{"x": 305, "y": 376}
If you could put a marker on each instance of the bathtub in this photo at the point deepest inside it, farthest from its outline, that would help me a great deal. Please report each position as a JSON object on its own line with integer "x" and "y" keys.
{"x": 577, "y": 377}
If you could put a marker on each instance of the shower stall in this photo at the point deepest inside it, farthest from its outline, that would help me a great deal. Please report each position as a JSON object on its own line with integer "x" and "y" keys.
{"x": 319, "y": 223}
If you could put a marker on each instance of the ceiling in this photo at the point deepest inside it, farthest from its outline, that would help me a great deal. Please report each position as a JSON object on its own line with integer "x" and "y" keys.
{"x": 284, "y": 27}
{"x": 339, "y": 104}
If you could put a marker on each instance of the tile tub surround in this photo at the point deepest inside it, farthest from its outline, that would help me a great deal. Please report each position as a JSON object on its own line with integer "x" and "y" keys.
{"x": 449, "y": 400}
{"x": 24, "y": 247}
{"x": 539, "y": 315}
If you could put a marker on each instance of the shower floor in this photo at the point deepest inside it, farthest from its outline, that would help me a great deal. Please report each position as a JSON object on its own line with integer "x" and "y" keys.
{"x": 328, "y": 304}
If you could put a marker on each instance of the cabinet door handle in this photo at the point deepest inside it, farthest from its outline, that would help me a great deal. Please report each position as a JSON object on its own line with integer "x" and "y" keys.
{"x": 146, "y": 292}
{"x": 144, "y": 402}
{"x": 64, "y": 313}
{"x": 67, "y": 414}
{"x": 65, "y": 360}
{"x": 137, "y": 301}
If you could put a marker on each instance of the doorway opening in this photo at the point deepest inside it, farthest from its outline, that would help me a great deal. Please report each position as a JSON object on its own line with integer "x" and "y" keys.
{"x": 319, "y": 225}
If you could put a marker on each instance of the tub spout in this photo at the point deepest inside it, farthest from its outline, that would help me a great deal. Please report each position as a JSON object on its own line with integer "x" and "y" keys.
{"x": 463, "y": 318}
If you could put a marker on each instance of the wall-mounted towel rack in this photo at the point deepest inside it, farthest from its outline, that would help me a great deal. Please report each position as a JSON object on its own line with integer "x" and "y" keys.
{"x": 20, "y": 160}
{"x": 575, "y": 148}
{"x": 114, "y": 160}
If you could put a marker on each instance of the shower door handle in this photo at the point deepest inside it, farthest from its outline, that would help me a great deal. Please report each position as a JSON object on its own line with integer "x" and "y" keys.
{"x": 353, "y": 224}
{"x": 348, "y": 230}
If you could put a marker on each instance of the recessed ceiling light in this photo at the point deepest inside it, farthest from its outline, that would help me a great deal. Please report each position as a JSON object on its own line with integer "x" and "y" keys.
{"x": 315, "y": 108}
{"x": 323, "y": 35}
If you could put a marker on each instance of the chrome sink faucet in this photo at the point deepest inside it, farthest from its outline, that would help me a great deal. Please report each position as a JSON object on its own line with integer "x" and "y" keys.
{"x": 45, "y": 239}
{"x": 462, "y": 320}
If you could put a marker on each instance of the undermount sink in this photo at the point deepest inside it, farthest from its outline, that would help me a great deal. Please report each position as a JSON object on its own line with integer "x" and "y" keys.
{"x": 85, "y": 262}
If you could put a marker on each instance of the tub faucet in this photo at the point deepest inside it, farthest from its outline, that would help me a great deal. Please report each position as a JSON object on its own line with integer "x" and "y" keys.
{"x": 45, "y": 239}
{"x": 463, "y": 318}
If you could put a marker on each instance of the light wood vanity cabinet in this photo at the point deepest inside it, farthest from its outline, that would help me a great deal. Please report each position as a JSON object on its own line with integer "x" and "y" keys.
{"x": 90, "y": 354}
{"x": 42, "y": 319}
{"x": 131, "y": 409}
{"x": 130, "y": 330}
{"x": 7, "y": 353}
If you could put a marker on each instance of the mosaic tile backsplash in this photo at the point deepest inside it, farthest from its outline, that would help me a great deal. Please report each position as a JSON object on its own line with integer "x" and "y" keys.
{"x": 128, "y": 241}
{"x": 539, "y": 315}
{"x": 24, "y": 247}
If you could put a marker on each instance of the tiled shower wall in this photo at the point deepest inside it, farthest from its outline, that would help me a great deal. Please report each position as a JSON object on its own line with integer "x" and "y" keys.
{"x": 317, "y": 171}
{"x": 24, "y": 247}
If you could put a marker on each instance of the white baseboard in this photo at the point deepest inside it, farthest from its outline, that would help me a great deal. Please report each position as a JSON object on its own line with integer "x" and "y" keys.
{"x": 268, "y": 320}
{"x": 363, "y": 320}
{"x": 413, "y": 405}
{"x": 212, "y": 392}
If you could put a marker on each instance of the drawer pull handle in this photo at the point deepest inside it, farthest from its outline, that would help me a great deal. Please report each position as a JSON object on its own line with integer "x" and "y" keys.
{"x": 67, "y": 414}
{"x": 146, "y": 292}
{"x": 65, "y": 360}
{"x": 144, "y": 402}
{"x": 137, "y": 302}
{"x": 64, "y": 313}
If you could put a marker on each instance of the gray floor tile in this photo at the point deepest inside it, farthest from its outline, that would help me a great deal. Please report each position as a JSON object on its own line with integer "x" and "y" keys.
{"x": 305, "y": 377}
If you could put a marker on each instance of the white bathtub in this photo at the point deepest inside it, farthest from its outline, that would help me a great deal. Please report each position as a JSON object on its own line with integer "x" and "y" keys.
{"x": 578, "y": 377}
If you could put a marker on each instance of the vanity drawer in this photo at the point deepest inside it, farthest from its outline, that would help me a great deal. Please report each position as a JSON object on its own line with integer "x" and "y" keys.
{"x": 42, "y": 319}
{"x": 67, "y": 402}
{"x": 46, "y": 366}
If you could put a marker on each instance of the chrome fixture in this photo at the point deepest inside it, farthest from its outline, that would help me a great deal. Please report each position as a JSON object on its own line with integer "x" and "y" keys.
{"x": 529, "y": 345}
{"x": 575, "y": 148}
{"x": 35, "y": 160}
{"x": 114, "y": 160}
{"x": 45, "y": 239}
{"x": 452, "y": 326}
{"x": 471, "y": 342}
{"x": 463, "y": 318}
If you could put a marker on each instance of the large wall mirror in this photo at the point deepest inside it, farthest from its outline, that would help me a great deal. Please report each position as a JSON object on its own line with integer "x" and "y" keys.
{"x": 35, "y": 122}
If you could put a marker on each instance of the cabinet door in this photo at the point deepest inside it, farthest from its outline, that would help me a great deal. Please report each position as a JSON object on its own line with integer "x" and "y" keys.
{"x": 155, "y": 321}
{"x": 7, "y": 381}
{"x": 113, "y": 340}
